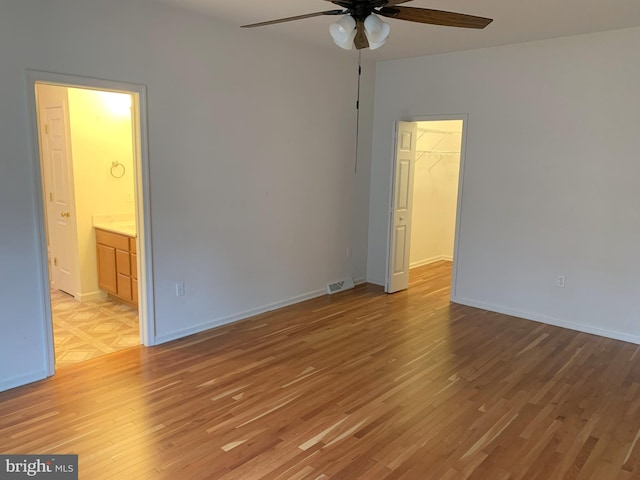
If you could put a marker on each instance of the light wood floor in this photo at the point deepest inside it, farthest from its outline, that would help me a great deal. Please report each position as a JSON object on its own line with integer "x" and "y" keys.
{"x": 360, "y": 385}
{"x": 86, "y": 330}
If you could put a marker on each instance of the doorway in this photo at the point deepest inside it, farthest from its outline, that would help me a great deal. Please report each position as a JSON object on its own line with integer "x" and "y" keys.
{"x": 87, "y": 158}
{"x": 92, "y": 167}
{"x": 426, "y": 192}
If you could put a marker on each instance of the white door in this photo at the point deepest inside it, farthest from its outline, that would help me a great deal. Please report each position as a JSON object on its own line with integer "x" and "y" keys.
{"x": 59, "y": 198}
{"x": 402, "y": 198}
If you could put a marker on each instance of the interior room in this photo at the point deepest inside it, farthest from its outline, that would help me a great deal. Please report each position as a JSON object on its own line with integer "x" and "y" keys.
{"x": 87, "y": 164}
{"x": 435, "y": 195}
{"x": 263, "y": 169}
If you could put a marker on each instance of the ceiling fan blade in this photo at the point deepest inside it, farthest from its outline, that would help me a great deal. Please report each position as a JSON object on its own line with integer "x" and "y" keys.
{"x": 391, "y": 3}
{"x": 361, "y": 37}
{"x": 297, "y": 17}
{"x": 435, "y": 17}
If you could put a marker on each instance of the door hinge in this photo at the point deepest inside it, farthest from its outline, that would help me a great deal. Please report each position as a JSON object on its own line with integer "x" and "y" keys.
{"x": 55, "y": 261}
{"x": 50, "y": 197}
{"x": 46, "y": 129}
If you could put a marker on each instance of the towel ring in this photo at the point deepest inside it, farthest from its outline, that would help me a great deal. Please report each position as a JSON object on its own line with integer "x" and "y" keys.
{"x": 115, "y": 171}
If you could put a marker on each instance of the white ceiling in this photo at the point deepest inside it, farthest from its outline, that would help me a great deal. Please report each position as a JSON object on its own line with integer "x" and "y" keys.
{"x": 515, "y": 21}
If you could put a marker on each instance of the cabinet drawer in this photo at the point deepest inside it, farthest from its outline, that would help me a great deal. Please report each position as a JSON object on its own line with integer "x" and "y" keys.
{"x": 114, "y": 240}
{"x": 123, "y": 263}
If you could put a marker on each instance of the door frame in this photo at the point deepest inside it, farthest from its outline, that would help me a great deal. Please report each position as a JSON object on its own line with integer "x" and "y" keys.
{"x": 146, "y": 305}
{"x": 456, "y": 244}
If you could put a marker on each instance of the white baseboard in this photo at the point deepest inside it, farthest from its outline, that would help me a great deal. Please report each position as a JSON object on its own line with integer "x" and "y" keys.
{"x": 359, "y": 280}
{"x": 422, "y": 263}
{"x": 21, "y": 380}
{"x": 375, "y": 281}
{"x": 579, "y": 327}
{"x": 236, "y": 317}
{"x": 87, "y": 297}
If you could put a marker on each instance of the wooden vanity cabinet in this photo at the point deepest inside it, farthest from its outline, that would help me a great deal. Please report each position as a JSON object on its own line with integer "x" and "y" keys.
{"x": 117, "y": 266}
{"x": 133, "y": 258}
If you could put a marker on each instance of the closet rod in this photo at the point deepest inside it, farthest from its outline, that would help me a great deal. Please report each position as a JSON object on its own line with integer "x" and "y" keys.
{"x": 444, "y": 132}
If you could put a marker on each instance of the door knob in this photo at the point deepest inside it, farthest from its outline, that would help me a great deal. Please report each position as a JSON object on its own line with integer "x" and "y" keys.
{"x": 65, "y": 214}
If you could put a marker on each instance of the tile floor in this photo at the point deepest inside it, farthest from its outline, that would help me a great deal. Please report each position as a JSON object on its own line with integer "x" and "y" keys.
{"x": 87, "y": 330}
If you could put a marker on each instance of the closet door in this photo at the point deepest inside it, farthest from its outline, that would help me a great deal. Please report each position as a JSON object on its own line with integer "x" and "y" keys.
{"x": 402, "y": 199}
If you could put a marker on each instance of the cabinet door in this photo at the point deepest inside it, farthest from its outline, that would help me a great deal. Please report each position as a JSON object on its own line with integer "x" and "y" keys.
{"x": 107, "y": 279}
{"x": 124, "y": 287}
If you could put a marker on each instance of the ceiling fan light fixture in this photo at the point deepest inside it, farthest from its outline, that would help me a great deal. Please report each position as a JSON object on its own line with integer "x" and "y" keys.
{"x": 343, "y": 32}
{"x": 376, "y": 30}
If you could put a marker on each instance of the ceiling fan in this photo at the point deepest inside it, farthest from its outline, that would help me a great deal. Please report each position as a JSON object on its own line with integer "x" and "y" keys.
{"x": 361, "y": 26}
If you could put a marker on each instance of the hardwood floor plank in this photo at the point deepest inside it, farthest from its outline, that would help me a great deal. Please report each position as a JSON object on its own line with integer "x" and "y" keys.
{"x": 359, "y": 385}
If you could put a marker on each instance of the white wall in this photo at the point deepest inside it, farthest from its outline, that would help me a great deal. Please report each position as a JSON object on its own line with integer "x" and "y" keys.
{"x": 251, "y": 143}
{"x": 99, "y": 136}
{"x": 551, "y": 181}
{"x": 435, "y": 191}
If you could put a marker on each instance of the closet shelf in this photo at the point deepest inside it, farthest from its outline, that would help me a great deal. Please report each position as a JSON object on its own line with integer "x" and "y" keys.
{"x": 437, "y": 152}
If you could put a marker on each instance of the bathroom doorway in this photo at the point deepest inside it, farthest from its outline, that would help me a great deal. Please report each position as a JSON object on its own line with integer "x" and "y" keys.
{"x": 92, "y": 174}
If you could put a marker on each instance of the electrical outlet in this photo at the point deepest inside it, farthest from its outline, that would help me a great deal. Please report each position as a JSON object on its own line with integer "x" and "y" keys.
{"x": 180, "y": 289}
{"x": 560, "y": 281}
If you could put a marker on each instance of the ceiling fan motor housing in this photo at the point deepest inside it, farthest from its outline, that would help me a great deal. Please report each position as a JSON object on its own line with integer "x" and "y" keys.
{"x": 361, "y": 9}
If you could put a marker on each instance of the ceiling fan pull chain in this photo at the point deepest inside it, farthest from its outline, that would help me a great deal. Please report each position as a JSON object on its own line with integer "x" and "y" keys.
{"x": 358, "y": 108}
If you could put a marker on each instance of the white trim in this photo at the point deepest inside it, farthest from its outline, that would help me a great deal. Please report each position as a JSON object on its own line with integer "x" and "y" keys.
{"x": 535, "y": 317}
{"x": 359, "y": 281}
{"x": 15, "y": 382}
{"x": 43, "y": 257}
{"x": 428, "y": 261}
{"x": 143, "y": 198}
{"x": 238, "y": 316}
{"x": 144, "y": 241}
{"x": 376, "y": 281}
